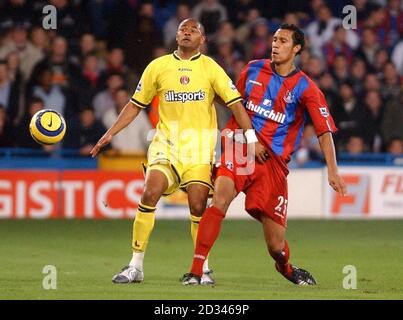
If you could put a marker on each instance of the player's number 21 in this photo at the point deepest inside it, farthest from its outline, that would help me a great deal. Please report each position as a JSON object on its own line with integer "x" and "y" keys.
{"x": 282, "y": 205}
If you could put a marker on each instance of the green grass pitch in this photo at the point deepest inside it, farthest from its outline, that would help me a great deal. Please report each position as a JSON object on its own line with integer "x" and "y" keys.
{"x": 87, "y": 253}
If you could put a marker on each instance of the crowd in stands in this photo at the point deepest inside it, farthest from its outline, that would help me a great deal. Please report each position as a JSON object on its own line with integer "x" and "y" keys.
{"x": 89, "y": 66}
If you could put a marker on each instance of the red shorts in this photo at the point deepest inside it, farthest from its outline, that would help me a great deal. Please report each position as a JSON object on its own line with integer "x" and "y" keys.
{"x": 265, "y": 187}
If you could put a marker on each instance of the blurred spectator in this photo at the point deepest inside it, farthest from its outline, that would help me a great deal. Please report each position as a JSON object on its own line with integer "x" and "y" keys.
{"x": 349, "y": 116}
{"x": 390, "y": 83}
{"x": 210, "y": 13}
{"x": 87, "y": 46}
{"x": 29, "y": 54}
{"x": 371, "y": 82}
{"x": 368, "y": 48}
{"x": 226, "y": 56}
{"x": 397, "y": 57}
{"x": 244, "y": 31}
{"x": 239, "y": 10}
{"x": 341, "y": 69}
{"x": 17, "y": 102}
{"x": 13, "y": 63}
{"x": 170, "y": 28}
{"x": 139, "y": 128}
{"x": 381, "y": 59}
{"x": 64, "y": 72}
{"x": 337, "y": 46}
{"x": 314, "y": 67}
{"x": 40, "y": 40}
{"x": 9, "y": 93}
{"x": 226, "y": 33}
{"x": 375, "y": 21}
{"x": 321, "y": 30}
{"x": 237, "y": 69}
{"x": 259, "y": 44}
{"x": 157, "y": 52}
{"x": 163, "y": 11}
{"x": 310, "y": 148}
{"x": 363, "y": 8}
{"x": 36, "y": 12}
{"x": 302, "y": 60}
{"x": 395, "y": 147}
{"x": 6, "y": 130}
{"x": 105, "y": 100}
{"x": 328, "y": 86}
{"x": 99, "y": 12}
{"x": 142, "y": 39}
{"x": 373, "y": 104}
{"x": 393, "y": 22}
{"x": 355, "y": 145}
{"x": 54, "y": 96}
{"x": 14, "y": 12}
{"x": 92, "y": 79}
{"x": 358, "y": 72}
{"x": 71, "y": 21}
{"x": 50, "y": 94}
{"x": 84, "y": 134}
{"x": 115, "y": 63}
{"x": 392, "y": 121}
{"x": 291, "y": 18}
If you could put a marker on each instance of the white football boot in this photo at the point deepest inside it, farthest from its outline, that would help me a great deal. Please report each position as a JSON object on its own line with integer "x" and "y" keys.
{"x": 206, "y": 278}
{"x": 128, "y": 274}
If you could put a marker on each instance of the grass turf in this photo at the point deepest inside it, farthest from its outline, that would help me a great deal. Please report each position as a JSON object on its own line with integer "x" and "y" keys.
{"x": 87, "y": 254}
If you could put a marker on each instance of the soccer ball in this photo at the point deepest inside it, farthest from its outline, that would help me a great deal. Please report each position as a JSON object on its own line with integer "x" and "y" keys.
{"x": 47, "y": 127}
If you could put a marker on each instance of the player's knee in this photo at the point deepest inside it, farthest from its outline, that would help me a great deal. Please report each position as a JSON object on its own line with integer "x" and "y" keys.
{"x": 151, "y": 196}
{"x": 221, "y": 202}
{"x": 197, "y": 208}
{"x": 275, "y": 245}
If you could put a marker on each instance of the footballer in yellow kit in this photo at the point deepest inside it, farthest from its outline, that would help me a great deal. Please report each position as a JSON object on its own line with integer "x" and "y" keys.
{"x": 180, "y": 155}
{"x": 184, "y": 143}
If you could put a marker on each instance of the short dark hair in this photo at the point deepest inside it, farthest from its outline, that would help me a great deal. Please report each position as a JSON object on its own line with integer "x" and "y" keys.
{"x": 86, "y": 107}
{"x": 35, "y": 100}
{"x": 199, "y": 25}
{"x": 298, "y": 36}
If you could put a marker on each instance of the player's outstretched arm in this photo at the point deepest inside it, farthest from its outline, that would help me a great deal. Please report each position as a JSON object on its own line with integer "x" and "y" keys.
{"x": 126, "y": 116}
{"x": 335, "y": 180}
{"x": 244, "y": 122}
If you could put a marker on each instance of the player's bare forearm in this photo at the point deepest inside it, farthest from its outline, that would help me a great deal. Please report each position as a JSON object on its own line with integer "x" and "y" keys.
{"x": 335, "y": 180}
{"x": 241, "y": 116}
{"x": 243, "y": 120}
{"x": 327, "y": 146}
{"x": 126, "y": 116}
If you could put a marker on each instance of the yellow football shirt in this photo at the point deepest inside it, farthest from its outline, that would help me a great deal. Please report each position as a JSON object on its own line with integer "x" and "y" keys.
{"x": 186, "y": 89}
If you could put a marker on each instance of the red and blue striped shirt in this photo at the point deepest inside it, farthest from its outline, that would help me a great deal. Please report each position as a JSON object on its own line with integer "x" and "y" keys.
{"x": 279, "y": 106}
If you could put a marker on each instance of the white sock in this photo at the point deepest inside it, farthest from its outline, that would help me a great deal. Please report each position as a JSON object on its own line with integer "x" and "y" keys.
{"x": 205, "y": 266}
{"x": 137, "y": 260}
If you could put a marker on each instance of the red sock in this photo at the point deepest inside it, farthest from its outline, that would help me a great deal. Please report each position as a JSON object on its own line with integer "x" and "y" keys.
{"x": 209, "y": 229}
{"x": 281, "y": 259}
